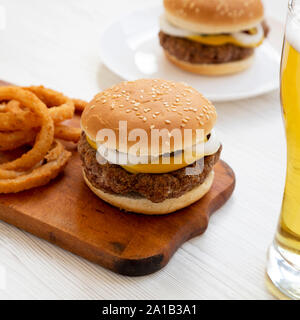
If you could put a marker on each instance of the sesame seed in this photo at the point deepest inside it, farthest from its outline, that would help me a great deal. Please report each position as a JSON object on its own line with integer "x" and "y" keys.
{"x": 167, "y": 121}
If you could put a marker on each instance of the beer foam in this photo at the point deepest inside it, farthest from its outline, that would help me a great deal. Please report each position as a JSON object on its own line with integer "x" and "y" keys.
{"x": 293, "y": 30}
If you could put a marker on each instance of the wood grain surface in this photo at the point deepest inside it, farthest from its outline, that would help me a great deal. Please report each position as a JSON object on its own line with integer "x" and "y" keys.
{"x": 66, "y": 213}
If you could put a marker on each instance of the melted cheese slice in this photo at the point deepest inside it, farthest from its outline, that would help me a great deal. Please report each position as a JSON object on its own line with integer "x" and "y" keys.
{"x": 219, "y": 40}
{"x": 92, "y": 143}
{"x": 176, "y": 161}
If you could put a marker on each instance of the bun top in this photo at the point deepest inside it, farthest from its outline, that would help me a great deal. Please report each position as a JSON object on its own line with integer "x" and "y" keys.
{"x": 149, "y": 104}
{"x": 214, "y": 16}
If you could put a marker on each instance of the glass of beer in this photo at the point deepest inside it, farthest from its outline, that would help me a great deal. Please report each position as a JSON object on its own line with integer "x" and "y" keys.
{"x": 284, "y": 255}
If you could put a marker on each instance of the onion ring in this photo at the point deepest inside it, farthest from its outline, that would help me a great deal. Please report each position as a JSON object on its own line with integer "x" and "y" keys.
{"x": 44, "y": 138}
{"x": 56, "y": 149}
{"x": 15, "y": 118}
{"x": 13, "y": 140}
{"x": 13, "y": 106}
{"x": 16, "y": 139}
{"x": 60, "y": 107}
{"x": 79, "y": 104}
{"x": 57, "y": 159}
{"x": 55, "y": 152}
{"x": 2, "y": 107}
{"x": 67, "y": 133}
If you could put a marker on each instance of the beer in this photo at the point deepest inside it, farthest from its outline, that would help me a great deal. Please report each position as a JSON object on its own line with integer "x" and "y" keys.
{"x": 289, "y": 225}
{"x": 284, "y": 254}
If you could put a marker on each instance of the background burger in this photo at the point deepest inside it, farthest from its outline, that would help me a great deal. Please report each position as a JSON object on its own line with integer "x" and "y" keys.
{"x": 212, "y": 37}
{"x": 151, "y": 188}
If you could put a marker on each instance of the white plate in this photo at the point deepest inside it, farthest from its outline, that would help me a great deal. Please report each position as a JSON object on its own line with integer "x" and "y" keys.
{"x": 130, "y": 48}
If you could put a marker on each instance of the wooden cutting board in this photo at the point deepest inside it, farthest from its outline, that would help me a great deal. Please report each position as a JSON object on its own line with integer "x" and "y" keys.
{"x": 68, "y": 214}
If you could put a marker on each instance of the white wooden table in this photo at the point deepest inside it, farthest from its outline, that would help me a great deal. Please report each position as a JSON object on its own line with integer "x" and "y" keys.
{"x": 55, "y": 43}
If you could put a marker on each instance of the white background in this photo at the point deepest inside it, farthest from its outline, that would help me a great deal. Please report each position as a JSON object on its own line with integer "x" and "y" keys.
{"x": 55, "y": 43}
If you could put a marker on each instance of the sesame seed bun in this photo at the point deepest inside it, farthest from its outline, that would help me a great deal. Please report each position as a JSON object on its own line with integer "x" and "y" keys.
{"x": 214, "y": 16}
{"x": 145, "y": 206}
{"x": 212, "y": 69}
{"x": 149, "y": 104}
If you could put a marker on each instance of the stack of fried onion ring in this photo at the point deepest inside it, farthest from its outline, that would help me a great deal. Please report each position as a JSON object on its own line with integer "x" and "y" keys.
{"x": 33, "y": 116}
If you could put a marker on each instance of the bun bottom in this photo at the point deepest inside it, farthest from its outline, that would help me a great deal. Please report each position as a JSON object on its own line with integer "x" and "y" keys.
{"x": 219, "y": 69}
{"x": 145, "y": 206}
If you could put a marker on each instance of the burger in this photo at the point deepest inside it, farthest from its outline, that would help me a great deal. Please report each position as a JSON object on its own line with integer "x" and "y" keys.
{"x": 135, "y": 176}
{"x": 212, "y": 37}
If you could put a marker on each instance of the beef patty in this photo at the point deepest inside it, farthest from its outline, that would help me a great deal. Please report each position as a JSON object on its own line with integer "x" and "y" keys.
{"x": 113, "y": 178}
{"x": 195, "y": 52}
